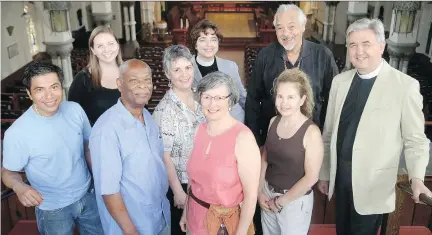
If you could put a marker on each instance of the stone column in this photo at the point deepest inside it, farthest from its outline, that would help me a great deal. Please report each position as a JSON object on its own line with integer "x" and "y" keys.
{"x": 102, "y": 12}
{"x": 58, "y": 38}
{"x": 376, "y": 10}
{"x": 402, "y": 41}
{"x": 147, "y": 19}
{"x": 129, "y": 49}
{"x": 132, "y": 21}
{"x": 331, "y": 20}
{"x": 356, "y": 11}
{"x": 84, "y": 19}
{"x": 325, "y": 23}
{"x": 126, "y": 22}
{"x": 157, "y": 12}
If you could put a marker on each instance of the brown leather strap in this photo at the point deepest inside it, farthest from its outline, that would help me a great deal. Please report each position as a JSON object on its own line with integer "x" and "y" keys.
{"x": 202, "y": 203}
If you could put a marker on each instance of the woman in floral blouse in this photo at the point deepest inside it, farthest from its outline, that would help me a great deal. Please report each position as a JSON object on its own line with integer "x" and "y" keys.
{"x": 178, "y": 115}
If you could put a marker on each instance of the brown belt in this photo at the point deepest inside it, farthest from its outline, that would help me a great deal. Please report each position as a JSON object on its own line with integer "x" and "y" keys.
{"x": 202, "y": 203}
{"x": 282, "y": 191}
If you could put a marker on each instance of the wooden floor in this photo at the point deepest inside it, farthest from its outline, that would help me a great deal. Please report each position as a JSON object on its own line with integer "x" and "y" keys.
{"x": 244, "y": 26}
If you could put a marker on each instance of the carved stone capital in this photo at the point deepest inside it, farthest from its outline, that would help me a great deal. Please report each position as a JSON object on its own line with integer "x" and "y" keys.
{"x": 406, "y": 6}
{"x": 57, "y": 6}
{"x": 401, "y": 50}
{"x": 103, "y": 18}
{"x": 59, "y": 49}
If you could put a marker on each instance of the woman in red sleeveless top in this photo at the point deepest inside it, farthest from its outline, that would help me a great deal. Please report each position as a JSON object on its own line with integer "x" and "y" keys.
{"x": 224, "y": 165}
{"x": 292, "y": 158}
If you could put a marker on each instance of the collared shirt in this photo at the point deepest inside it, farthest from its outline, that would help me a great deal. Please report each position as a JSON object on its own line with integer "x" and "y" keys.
{"x": 177, "y": 124}
{"x": 127, "y": 158}
{"x": 315, "y": 60}
{"x": 51, "y": 152}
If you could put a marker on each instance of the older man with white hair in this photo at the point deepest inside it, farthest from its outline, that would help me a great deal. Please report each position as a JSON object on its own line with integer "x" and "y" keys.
{"x": 374, "y": 112}
{"x": 290, "y": 51}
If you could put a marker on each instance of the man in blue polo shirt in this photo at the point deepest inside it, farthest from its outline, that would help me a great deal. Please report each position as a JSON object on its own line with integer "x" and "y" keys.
{"x": 126, "y": 149}
{"x": 48, "y": 142}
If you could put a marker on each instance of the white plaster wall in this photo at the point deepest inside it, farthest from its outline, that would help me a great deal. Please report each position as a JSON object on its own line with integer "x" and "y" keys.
{"x": 117, "y": 23}
{"x": 425, "y": 22}
{"x": 11, "y": 16}
{"x": 74, "y": 23}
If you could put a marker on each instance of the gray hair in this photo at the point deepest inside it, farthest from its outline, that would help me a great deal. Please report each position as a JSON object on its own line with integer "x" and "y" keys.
{"x": 216, "y": 79}
{"x": 375, "y": 25}
{"x": 173, "y": 53}
{"x": 125, "y": 66}
{"x": 286, "y": 7}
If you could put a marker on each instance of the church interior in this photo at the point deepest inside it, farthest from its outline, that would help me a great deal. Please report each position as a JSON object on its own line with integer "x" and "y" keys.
{"x": 144, "y": 29}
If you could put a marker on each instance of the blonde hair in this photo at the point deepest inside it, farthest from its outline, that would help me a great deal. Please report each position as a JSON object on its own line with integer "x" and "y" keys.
{"x": 93, "y": 64}
{"x": 298, "y": 77}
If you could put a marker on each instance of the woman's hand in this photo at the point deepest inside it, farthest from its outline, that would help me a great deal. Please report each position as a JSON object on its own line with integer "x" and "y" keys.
{"x": 263, "y": 201}
{"x": 180, "y": 199}
{"x": 183, "y": 222}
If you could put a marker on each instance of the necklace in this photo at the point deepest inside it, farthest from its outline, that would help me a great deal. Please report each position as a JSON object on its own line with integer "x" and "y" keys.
{"x": 37, "y": 111}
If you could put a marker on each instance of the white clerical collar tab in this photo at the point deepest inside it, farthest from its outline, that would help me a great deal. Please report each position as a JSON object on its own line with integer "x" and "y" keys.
{"x": 371, "y": 74}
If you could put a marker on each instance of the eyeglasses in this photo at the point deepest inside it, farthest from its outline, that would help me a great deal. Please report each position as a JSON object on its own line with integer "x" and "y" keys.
{"x": 208, "y": 98}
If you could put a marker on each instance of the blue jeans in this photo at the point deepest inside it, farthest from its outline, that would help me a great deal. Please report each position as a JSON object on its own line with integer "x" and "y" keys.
{"x": 61, "y": 221}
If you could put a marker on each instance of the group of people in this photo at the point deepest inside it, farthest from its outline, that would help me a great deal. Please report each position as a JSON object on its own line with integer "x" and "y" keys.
{"x": 211, "y": 152}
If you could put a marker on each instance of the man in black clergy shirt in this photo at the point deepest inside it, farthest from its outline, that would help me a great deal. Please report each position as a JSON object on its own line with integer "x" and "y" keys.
{"x": 291, "y": 50}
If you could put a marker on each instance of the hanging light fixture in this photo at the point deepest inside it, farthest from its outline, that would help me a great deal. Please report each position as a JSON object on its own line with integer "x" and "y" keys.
{"x": 405, "y": 15}
{"x": 58, "y": 15}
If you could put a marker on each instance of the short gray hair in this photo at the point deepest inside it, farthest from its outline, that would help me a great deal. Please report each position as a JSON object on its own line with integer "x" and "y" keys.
{"x": 216, "y": 79}
{"x": 173, "y": 53}
{"x": 375, "y": 25}
{"x": 286, "y": 7}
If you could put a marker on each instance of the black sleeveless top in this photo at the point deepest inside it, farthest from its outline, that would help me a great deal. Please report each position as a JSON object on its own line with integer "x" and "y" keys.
{"x": 285, "y": 157}
{"x": 94, "y": 100}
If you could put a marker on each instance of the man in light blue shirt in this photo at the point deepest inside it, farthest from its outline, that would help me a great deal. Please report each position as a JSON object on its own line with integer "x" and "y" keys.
{"x": 48, "y": 142}
{"x": 126, "y": 149}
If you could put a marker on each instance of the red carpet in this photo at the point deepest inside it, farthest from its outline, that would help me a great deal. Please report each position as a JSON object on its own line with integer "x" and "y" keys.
{"x": 28, "y": 227}
{"x": 329, "y": 229}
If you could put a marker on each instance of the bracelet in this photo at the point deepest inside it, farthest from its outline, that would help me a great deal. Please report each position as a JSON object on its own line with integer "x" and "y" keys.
{"x": 277, "y": 203}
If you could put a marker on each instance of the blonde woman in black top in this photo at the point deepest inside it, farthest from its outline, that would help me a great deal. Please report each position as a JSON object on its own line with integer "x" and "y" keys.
{"x": 292, "y": 158}
{"x": 95, "y": 87}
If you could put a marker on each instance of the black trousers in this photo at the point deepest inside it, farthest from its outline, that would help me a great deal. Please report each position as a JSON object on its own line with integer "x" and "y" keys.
{"x": 348, "y": 221}
{"x": 176, "y": 213}
{"x": 257, "y": 220}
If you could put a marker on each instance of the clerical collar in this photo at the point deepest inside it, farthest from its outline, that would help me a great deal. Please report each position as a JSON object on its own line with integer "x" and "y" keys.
{"x": 204, "y": 63}
{"x": 371, "y": 74}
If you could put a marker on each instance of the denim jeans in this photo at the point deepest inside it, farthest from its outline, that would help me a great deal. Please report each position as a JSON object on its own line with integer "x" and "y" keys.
{"x": 61, "y": 221}
{"x": 166, "y": 229}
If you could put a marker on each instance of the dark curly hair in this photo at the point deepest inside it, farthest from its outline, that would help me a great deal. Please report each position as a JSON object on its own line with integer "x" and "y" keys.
{"x": 35, "y": 68}
{"x": 202, "y": 26}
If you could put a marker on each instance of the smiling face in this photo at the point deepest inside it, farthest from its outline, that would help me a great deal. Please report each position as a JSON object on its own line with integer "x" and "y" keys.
{"x": 289, "y": 31}
{"x": 46, "y": 93}
{"x": 288, "y": 99}
{"x": 364, "y": 50}
{"x": 207, "y": 44}
{"x": 181, "y": 74}
{"x": 215, "y": 103}
{"x": 136, "y": 86}
{"x": 105, "y": 47}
